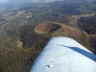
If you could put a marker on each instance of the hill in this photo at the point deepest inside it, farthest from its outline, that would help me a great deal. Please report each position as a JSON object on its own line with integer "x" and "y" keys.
{"x": 26, "y": 29}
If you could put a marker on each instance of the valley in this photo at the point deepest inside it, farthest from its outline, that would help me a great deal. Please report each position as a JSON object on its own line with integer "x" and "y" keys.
{"x": 26, "y": 28}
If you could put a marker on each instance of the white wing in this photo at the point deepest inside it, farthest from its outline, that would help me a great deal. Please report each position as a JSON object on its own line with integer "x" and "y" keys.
{"x": 57, "y": 58}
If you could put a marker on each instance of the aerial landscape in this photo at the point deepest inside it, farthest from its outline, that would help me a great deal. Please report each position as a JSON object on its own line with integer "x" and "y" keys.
{"x": 27, "y": 25}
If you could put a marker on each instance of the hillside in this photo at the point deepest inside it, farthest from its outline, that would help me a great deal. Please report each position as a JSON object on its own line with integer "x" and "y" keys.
{"x": 26, "y": 29}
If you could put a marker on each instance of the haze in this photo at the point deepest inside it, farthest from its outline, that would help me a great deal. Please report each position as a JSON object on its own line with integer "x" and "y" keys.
{"x": 3, "y": 1}
{"x": 25, "y": 1}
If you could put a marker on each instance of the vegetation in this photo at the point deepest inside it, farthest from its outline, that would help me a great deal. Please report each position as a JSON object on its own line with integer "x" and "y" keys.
{"x": 24, "y": 31}
{"x": 88, "y": 24}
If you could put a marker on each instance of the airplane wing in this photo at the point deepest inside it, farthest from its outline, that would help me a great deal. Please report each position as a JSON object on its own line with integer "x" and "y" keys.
{"x": 63, "y": 54}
